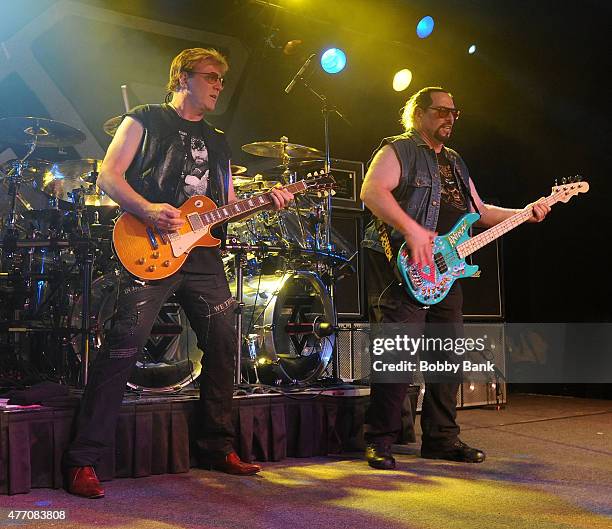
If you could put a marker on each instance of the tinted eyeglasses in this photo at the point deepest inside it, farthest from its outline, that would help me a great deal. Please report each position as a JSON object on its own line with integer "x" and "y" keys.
{"x": 210, "y": 77}
{"x": 443, "y": 112}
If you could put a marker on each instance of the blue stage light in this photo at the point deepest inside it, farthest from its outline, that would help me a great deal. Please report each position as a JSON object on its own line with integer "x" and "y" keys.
{"x": 333, "y": 60}
{"x": 425, "y": 27}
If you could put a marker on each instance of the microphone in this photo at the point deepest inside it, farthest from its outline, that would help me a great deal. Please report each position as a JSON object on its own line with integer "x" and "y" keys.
{"x": 299, "y": 74}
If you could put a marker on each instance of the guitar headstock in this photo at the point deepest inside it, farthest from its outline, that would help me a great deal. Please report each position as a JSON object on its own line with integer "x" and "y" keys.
{"x": 321, "y": 183}
{"x": 569, "y": 187}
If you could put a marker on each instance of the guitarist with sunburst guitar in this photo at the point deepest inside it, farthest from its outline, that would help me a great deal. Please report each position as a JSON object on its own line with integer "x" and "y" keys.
{"x": 169, "y": 170}
{"x": 418, "y": 189}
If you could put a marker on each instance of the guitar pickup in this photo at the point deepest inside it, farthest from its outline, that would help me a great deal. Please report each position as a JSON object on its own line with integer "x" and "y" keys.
{"x": 440, "y": 263}
{"x": 152, "y": 238}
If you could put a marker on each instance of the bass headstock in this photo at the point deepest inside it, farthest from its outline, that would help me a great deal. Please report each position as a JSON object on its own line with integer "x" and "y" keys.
{"x": 569, "y": 187}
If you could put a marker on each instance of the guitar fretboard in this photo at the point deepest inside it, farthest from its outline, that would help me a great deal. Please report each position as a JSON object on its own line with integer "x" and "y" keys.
{"x": 475, "y": 243}
{"x": 246, "y": 206}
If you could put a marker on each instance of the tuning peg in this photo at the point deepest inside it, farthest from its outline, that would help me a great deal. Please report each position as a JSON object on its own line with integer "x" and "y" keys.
{"x": 309, "y": 175}
{"x": 556, "y": 183}
{"x": 333, "y": 192}
{"x": 564, "y": 180}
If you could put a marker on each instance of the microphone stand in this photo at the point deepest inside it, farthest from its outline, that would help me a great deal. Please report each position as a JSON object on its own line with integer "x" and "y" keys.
{"x": 326, "y": 110}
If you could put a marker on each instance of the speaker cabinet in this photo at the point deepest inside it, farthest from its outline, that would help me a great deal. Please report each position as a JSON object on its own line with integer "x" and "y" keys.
{"x": 347, "y": 232}
{"x": 482, "y": 293}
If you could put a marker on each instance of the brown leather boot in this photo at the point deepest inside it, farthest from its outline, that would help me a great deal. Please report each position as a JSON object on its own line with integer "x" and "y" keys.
{"x": 231, "y": 464}
{"x": 82, "y": 481}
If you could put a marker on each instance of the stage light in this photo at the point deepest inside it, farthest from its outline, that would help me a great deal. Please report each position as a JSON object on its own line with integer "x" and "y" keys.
{"x": 472, "y": 49}
{"x": 402, "y": 80}
{"x": 333, "y": 60}
{"x": 425, "y": 27}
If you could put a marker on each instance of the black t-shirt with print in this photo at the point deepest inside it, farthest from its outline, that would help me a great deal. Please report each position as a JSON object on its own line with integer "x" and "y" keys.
{"x": 452, "y": 201}
{"x": 184, "y": 160}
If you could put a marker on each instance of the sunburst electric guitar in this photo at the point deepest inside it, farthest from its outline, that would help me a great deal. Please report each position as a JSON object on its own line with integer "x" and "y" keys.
{"x": 150, "y": 253}
{"x": 431, "y": 285}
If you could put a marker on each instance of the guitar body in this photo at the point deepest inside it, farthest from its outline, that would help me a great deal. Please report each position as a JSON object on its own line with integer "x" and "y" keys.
{"x": 151, "y": 254}
{"x": 430, "y": 286}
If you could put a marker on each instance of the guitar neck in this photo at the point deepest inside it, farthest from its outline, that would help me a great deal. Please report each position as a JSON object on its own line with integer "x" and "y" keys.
{"x": 247, "y": 206}
{"x": 475, "y": 243}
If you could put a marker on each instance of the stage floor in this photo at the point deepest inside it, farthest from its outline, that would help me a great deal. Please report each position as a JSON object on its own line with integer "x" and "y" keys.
{"x": 549, "y": 465}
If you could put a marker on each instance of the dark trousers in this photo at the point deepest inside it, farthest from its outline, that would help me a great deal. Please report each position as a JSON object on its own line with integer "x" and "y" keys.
{"x": 390, "y": 303}
{"x": 208, "y": 304}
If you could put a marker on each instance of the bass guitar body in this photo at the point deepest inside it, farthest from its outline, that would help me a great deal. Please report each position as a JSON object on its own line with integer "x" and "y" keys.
{"x": 431, "y": 285}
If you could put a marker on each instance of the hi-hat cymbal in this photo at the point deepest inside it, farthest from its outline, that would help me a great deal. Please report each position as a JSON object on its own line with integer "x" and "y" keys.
{"x": 45, "y": 132}
{"x": 238, "y": 169}
{"x": 276, "y": 149}
{"x": 111, "y": 125}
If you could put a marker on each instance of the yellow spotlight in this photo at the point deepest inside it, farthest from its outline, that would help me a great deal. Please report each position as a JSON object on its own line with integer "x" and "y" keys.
{"x": 402, "y": 80}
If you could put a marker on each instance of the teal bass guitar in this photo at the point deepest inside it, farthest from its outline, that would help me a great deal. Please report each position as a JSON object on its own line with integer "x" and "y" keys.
{"x": 430, "y": 285}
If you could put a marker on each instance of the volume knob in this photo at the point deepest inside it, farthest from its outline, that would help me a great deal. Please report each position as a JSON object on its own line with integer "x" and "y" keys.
{"x": 151, "y": 268}
{"x": 141, "y": 261}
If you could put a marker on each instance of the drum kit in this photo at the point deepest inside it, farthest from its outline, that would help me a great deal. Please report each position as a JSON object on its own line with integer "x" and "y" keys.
{"x": 59, "y": 278}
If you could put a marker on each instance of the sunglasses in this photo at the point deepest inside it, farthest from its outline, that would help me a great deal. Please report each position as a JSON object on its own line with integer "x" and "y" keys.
{"x": 210, "y": 77}
{"x": 443, "y": 112}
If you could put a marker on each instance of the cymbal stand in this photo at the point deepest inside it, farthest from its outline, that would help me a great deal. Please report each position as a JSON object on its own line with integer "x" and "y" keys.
{"x": 239, "y": 264}
{"x": 14, "y": 184}
{"x": 289, "y": 177}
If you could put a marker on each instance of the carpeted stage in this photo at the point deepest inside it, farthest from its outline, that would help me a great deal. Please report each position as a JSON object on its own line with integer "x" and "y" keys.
{"x": 549, "y": 465}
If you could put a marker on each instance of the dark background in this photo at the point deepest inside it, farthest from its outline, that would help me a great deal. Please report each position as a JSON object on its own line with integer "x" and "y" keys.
{"x": 534, "y": 101}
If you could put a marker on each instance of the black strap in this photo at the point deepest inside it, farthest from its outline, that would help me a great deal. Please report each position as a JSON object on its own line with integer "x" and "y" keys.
{"x": 383, "y": 236}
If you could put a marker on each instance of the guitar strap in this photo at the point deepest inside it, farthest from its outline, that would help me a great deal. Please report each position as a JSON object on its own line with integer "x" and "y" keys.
{"x": 383, "y": 236}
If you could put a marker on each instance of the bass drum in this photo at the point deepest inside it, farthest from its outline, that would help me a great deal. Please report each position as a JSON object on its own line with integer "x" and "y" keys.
{"x": 271, "y": 302}
{"x": 170, "y": 359}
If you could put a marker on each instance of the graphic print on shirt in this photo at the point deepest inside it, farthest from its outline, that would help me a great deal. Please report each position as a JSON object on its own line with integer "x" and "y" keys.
{"x": 195, "y": 167}
{"x": 451, "y": 194}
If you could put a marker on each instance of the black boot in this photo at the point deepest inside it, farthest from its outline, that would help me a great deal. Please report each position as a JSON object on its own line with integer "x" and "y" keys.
{"x": 378, "y": 455}
{"x": 457, "y": 451}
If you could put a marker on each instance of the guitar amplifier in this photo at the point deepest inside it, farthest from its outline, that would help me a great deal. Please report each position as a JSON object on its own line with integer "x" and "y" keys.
{"x": 483, "y": 292}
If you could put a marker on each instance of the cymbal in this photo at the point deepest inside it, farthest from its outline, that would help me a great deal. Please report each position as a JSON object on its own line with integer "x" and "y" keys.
{"x": 100, "y": 199}
{"x": 31, "y": 170}
{"x": 275, "y": 149}
{"x": 45, "y": 132}
{"x": 238, "y": 169}
{"x": 297, "y": 165}
{"x": 252, "y": 184}
{"x": 60, "y": 185}
{"x": 111, "y": 125}
{"x": 86, "y": 169}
